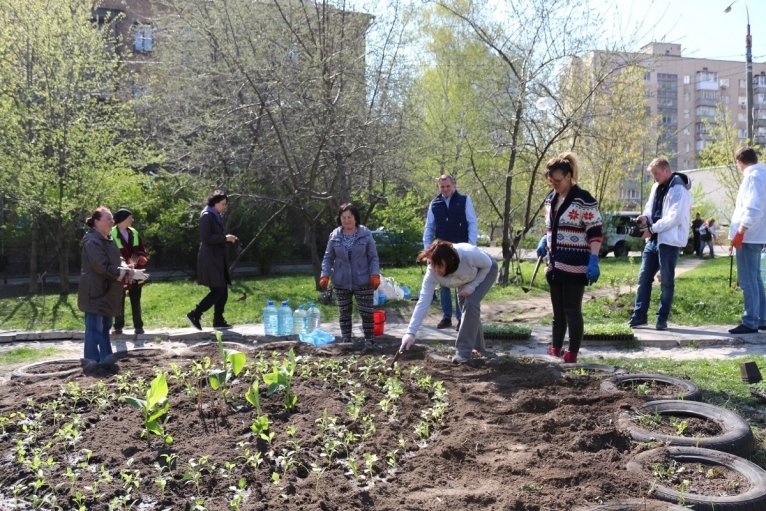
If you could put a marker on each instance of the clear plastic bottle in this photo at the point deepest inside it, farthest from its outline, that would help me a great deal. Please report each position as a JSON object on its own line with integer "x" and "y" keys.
{"x": 270, "y": 321}
{"x": 285, "y": 319}
{"x": 299, "y": 321}
{"x": 313, "y": 318}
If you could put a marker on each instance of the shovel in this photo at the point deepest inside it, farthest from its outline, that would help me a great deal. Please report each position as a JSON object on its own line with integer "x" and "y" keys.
{"x": 534, "y": 274}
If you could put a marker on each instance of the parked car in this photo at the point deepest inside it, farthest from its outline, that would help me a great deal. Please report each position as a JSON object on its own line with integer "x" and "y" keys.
{"x": 616, "y": 232}
{"x": 482, "y": 239}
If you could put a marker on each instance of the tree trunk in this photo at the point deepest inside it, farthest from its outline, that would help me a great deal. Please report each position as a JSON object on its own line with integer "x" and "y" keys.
{"x": 64, "y": 265}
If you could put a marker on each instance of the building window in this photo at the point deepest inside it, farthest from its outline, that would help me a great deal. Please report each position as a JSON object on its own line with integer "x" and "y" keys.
{"x": 742, "y": 84}
{"x": 724, "y": 83}
{"x": 687, "y": 80}
{"x": 648, "y": 76}
{"x": 759, "y": 80}
{"x": 142, "y": 38}
{"x": 686, "y": 113}
{"x": 741, "y": 117}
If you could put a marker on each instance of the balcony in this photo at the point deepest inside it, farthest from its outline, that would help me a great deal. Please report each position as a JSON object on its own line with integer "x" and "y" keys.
{"x": 706, "y": 101}
{"x": 707, "y": 85}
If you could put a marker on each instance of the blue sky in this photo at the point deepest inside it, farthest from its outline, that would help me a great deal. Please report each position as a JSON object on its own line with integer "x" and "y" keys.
{"x": 700, "y": 26}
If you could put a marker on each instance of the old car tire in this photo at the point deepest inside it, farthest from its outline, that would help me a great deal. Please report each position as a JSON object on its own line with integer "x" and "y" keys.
{"x": 621, "y": 249}
{"x": 636, "y": 505}
{"x": 753, "y": 499}
{"x": 690, "y": 391}
{"x": 736, "y": 437}
{"x": 32, "y": 371}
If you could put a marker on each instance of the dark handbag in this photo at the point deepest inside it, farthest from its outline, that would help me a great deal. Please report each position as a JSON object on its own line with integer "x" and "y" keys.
{"x": 326, "y": 297}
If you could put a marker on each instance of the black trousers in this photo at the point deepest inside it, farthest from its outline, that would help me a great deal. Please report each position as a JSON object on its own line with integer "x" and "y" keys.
{"x": 566, "y": 299}
{"x": 134, "y": 293}
{"x": 216, "y": 298}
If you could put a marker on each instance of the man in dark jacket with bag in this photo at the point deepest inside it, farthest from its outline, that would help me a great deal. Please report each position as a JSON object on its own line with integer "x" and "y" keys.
{"x": 212, "y": 270}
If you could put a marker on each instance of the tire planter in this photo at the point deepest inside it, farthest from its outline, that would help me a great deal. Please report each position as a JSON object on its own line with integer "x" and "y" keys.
{"x": 690, "y": 392}
{"x": 60, "y": 368}
{"x": 753, "y": 499}
{"x": 592, "y": 368}
{"x": 636, "y": 505}
{"x": 736, "y": 437}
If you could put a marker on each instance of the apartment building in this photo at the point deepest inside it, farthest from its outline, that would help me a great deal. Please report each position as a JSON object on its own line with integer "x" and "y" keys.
{"x": 685, "y": 94}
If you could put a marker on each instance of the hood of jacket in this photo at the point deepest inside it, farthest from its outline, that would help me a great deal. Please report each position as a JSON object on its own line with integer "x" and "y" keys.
{"x": 680, "y": 179}
{"x": 361, "y": 231}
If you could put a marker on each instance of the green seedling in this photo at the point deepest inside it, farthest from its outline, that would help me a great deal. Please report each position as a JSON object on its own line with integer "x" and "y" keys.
{"x": 233, "y": 363}
{"x": 281, "y": 378}
{"x": 155, "y": 407}
{"x": 253, "y": 396}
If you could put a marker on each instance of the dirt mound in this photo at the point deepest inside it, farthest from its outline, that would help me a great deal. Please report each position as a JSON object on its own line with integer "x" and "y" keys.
{"x": 427, "y": 435}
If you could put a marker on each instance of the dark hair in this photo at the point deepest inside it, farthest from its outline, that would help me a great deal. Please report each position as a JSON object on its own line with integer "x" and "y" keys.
{"x": 96, "y": 215}
{"x": 746, "y": 155}
{"x": 348, "y": 207}
{"x": 442, "y": 253}
{"x": 565, "y": 162}
{"x": 216, "y": 197}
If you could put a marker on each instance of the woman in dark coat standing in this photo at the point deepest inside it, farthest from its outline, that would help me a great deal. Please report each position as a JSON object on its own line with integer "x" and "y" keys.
{"x": 212, "y": 270}
{"x": 99, "y": 294}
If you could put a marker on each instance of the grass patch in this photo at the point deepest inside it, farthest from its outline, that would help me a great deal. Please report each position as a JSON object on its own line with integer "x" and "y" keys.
{"x": 702, "y": 297}
{"x": 18, "y": 355}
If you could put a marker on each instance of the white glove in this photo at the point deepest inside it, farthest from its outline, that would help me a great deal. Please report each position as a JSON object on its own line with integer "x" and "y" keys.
{"x": 407, "y": 341}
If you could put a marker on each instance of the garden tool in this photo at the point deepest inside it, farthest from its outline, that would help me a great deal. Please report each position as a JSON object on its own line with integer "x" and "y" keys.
{"x": 534, "y": 274}
{"x": 396, "y": 357}
{"x": 731, "y": 265}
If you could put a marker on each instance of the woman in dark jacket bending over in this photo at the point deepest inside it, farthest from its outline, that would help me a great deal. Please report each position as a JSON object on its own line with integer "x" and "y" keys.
{"x": 211, "y": 261}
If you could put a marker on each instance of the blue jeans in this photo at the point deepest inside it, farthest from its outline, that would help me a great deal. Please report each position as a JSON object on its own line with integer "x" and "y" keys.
{"x": 97, "y": 343}
{"x": 751, "y": 283}
{"x": 445, "y": 297}
{"x": 656, "y": 258}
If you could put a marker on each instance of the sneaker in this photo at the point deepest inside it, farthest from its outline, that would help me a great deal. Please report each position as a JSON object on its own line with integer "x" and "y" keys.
{"x": 742, "y": 329}
{"x": 194, "y": 320}
{"x": 661, "y": 325}
{"x": 117, "y": 331}
{"x": 221, "y": 324}
{"x": 444, "y": 323}
{"x": 139, "y": 331}
{"x": 569, "y": 357}
{"x": 457, "y": 327}
{"x": 459, "y": 359}
{"x": 633, "y": 323}
{"x": 88, "y": 365}
{"x": 554, "y": 352}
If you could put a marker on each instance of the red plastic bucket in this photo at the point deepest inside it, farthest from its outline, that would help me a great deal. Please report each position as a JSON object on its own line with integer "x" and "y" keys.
{"x": 379, "y": 321}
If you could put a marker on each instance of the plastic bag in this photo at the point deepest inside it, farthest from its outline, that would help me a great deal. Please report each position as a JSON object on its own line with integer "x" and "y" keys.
{"x": 317, "y": 338}
{"x": 390, "y": 288}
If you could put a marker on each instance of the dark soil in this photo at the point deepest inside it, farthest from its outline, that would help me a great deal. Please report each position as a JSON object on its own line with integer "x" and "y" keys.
{"x": 516, "y": 435}
{"x": 683, "y": 426}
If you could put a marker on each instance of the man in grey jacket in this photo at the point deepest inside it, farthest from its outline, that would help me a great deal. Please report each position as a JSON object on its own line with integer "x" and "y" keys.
{"x": 748, "y": 234}
{"x": 666, "y": 218}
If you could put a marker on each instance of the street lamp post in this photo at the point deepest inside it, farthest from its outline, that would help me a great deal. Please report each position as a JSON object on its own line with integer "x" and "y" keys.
{"x": 748, "y": 72}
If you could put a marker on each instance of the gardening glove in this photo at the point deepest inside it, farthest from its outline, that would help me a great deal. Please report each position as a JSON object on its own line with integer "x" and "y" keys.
{"x": 737, "y": 240}
{"x": 593, "y": 272}
{"x": 407, "y": 341}
{"x": 141, "y": 261}
{"x": 542, "y": 247}
{"x": 323, "y": 281}
{"x": 375, "y": 281}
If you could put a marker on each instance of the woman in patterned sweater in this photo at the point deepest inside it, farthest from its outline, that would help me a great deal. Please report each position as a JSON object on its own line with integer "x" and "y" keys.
{"x": 572, "y": 241}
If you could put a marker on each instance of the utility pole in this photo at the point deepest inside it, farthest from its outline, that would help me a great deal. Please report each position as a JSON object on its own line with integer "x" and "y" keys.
{"x": 748, "y": 73}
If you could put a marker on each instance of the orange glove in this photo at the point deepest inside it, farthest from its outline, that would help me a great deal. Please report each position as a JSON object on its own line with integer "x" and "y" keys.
{"x": 141, "y": 262}
{"x": 375, "y": 281}
{"x": 323, "y": 281}
{"x": 737, "y": 240}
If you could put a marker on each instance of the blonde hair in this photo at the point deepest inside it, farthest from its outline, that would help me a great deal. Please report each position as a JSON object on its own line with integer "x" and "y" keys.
{"x": 565, "y": 162}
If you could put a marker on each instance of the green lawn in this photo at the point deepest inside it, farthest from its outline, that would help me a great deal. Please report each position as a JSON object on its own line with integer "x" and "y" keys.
{"x": 702, "y": 297}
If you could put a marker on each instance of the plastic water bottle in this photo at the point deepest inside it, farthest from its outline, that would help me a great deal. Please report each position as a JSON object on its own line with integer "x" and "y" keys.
{"x": 285, "y": 319}
{"x": 270, "y": 321}
{"x": 299, "y": 321}
{"x": 313, "y": 318}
